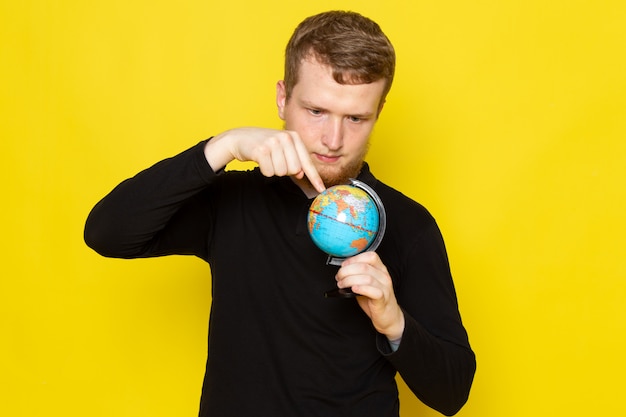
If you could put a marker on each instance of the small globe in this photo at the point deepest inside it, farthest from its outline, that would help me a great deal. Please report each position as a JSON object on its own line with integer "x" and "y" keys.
{"x": 343, "y": 220}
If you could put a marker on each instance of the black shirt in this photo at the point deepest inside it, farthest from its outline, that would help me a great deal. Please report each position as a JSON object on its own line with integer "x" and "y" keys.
{"x": 277, "y": 346}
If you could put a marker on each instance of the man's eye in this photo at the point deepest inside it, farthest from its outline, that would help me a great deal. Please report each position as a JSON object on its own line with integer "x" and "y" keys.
{"x": 315, "y": 112}
{"x": 355, "y": 119}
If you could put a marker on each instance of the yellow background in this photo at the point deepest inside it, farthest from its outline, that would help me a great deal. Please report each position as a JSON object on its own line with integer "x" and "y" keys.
{"x": 507, "y": 120}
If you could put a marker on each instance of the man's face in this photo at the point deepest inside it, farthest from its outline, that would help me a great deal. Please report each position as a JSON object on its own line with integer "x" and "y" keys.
{"x": 333, "y": 120}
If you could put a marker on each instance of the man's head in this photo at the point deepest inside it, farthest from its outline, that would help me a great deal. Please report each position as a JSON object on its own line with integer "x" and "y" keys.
{"x": 339, "y": 68}
{"x": 353, "y": 46}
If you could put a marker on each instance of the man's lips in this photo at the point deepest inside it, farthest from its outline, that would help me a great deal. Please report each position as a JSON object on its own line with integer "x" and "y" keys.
{"x": 327, "y": 159}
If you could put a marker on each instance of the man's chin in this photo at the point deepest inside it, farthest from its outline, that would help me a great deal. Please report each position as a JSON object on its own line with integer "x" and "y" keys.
{"x": 336, "y": 180}
{"x": 340, "y": 177}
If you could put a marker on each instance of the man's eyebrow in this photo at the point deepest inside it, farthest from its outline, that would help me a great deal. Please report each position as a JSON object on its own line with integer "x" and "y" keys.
{"x": 310, "y": 105}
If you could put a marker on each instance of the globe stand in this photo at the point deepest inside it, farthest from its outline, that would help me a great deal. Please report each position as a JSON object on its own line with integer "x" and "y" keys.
{"x": 338, "y": 292}
{"x": 382, "y": 224}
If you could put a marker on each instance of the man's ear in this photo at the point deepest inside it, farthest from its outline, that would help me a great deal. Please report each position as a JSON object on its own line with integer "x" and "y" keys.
{"x": 281, "y": 98}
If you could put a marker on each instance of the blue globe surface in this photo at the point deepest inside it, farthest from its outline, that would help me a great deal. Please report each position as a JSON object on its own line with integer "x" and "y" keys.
{"x": 343, "y": 220}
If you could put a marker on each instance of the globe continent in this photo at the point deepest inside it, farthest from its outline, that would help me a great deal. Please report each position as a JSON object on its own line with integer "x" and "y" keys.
{"x": 343, "y": 220}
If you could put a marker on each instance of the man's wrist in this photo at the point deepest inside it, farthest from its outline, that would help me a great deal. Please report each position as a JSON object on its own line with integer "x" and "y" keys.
{"x": 217, "y": 153}
{"x": 394, "y": 337}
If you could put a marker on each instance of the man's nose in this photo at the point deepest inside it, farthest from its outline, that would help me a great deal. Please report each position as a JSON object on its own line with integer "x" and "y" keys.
{"x": 333, "y": 135}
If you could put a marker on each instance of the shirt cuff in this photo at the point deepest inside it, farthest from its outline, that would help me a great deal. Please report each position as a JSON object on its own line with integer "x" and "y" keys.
{"x": 394, "y": 344}
{"x": 385, "y": 346}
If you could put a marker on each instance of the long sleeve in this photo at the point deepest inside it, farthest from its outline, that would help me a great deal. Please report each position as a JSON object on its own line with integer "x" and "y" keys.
{"x": 137, "y": 218}
{"x": 439, "y": 373}
{"x": 434, "y": 357}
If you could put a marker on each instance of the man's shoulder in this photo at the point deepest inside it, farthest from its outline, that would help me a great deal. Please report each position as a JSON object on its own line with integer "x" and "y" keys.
{"x": 398, "y": 200}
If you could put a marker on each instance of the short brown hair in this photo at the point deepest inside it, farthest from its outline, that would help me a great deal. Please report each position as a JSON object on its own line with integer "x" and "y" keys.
{"x": 354, "y": 47}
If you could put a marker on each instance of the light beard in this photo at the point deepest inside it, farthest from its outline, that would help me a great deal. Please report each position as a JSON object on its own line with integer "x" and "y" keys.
{"x": 344, "y": 176}
{"x": 350, "y": 171}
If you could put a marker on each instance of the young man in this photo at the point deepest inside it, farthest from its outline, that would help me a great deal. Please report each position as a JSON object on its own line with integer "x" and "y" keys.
{"x": 277, "y": 347}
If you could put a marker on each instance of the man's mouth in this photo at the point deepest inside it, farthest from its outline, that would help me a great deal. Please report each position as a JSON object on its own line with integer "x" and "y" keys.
{"x": 327, "y": 159}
